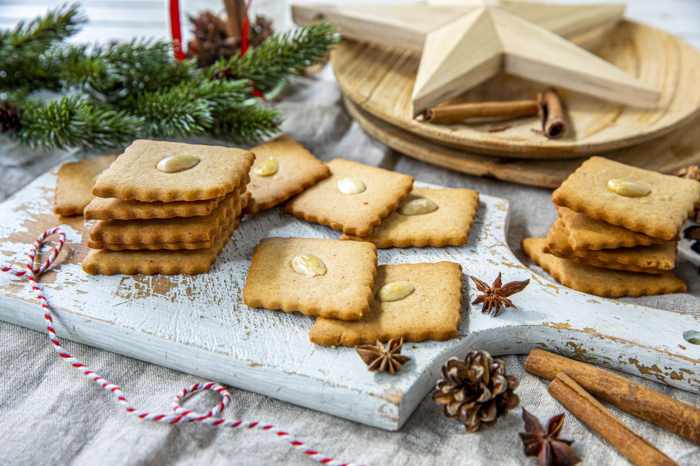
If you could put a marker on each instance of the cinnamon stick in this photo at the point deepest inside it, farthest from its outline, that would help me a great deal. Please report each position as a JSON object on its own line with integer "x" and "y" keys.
{"x": 457, "y": 113}
{"x": 552, "y": 114}
{"x": 638, "y": 400}
{"x": 236, "y": 10}
{"x": 601, "y": 421}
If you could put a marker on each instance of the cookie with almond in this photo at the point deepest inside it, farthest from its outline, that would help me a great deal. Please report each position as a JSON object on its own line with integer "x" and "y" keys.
{"x": 638, "y": 200}
{"x": 354, "y": 199}
{"x": 428, "y": 218}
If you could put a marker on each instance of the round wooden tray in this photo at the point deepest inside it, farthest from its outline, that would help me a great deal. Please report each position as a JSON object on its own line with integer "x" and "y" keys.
{"x": 666, "y": 154}
{"x": 380, "y": 81}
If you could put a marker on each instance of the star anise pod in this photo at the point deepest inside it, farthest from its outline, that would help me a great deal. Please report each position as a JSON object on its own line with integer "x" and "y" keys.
{"x": 494, "y": 298}
{"x": 549, "y": 449}
{"x": 380, "y": 358}
{"x": 691, "y": 172}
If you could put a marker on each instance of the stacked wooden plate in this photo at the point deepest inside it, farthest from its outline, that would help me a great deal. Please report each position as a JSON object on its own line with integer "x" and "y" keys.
{"x": 377, "y": 84}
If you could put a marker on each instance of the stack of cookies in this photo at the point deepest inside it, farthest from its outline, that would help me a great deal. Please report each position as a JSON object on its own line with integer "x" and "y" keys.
{"x": 166, "y": 208}
{"x": 617, "y": 230}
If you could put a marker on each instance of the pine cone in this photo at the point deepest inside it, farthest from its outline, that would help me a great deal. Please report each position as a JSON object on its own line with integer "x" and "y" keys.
{"x": 211, "y": 40}
{"x": 260, "y": 30}
{"x": 9, "y": 117}
{"x": 476, "y": 390}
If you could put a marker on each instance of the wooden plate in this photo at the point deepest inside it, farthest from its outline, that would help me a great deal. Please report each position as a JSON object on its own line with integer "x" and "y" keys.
{"x": 380, "y": 81}
{"x": 666, "y": 154}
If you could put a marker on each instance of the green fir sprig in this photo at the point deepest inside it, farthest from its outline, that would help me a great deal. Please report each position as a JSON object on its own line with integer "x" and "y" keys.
{"x": 22, "y": 47}
{"x": 72, "y": 122}
{"x": 122, "y": 91}
{"x": 278, "y": 56}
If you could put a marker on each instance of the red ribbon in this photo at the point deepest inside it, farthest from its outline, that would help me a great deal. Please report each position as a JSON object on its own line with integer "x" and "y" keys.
{"x": 176, "y": 30}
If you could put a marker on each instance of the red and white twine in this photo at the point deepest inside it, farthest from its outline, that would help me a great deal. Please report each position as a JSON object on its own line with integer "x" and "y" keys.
{"x": 32, "y": 271}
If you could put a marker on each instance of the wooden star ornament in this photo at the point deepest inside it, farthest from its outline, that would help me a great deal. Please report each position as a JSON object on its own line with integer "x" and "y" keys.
{"x": 464, "y": 43}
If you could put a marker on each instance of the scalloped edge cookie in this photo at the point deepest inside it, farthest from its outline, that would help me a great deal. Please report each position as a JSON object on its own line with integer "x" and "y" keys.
{"x": 655, "y": 259}
{"x": 449, "y": 225}
{"x": 597, "y": 281}
{"x": 352, "y": 214}
{"x": 343, "y": 292}
{"x": 661, "y": 214}
{"x": 134, "y": 176}
{"x": 587, "y": 234}
{"x": 173, "y": 246}
{"x": 74, "y": 184}
{"x": 170, "y": 230}
{"x": 298, "y": 170}
{"x": 101, "y": 208}
{"x": 192, "y": 262}
{"x": 432, "y": 312}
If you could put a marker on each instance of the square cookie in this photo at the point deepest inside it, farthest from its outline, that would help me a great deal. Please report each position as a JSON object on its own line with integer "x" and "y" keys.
{"x": 135, "y": 176}
{"x": 234, "y": 214}
{"x": 171, "y": 230}
{"x": 104, "y": 262}
{"x": 317, "y": 277}
{"x": 432, "y": 311}
{"x": 659, "y": 214}
{"x": 657, "y": 258}
{"x": 354, "y": 199}
{"x": 111, "y": 208}
{"x": 586, "y": 233}
{"x": 75, "y": 182}
{"x": 600, "y": 282}
{"x": 448, "y": 217}
{"x": 283, "y": 168}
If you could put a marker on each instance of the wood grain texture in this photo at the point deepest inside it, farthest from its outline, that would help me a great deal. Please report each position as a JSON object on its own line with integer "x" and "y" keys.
{"x": 198, "y": 324}
{"x": 665, "y": 154}
{"x": 381, "y": 80}
{"x": 464, "y": 44}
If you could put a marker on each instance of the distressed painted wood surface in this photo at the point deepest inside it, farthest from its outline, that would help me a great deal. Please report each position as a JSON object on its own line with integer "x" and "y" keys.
{"x": 198, "y": 324}
{"x": 380, "y": 81}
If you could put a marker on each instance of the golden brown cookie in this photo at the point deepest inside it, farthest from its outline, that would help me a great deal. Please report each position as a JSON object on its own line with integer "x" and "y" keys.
{"x": 657, "y": 258}
{"x": 282, "y": 169}
{"x": 175, "y": 245}
{"x": 639, "y": 200}
{"x": 432, "y": 311}
{"x": 428, "y": 217}
{"x": 598, "y": 281}
{"x": 111, "y": 208}
{"x": 588, "y": 234}
{"x": 354, "y": 199}
{"x": 170, "y": 230}
{"x": 192, "y": 262}
{"x": 317, "y": 277}
{"x": 74, "y": 184}
{"x": 135, "y": 174}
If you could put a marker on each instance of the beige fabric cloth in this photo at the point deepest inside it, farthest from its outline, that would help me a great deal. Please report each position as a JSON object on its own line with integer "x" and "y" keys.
{"x": 50, "y": 415}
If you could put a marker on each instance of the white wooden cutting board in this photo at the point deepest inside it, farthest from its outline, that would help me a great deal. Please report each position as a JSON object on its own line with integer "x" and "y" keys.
{"x": 200, "y": 326}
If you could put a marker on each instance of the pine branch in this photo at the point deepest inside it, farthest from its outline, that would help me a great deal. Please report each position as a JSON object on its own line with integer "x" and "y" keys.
{"x": 278, "y": 56}
{"x": 250, "y": 123}
{"x": 21, "y": 49}
{"x": 173, "y": 113}
{"x": 116, "y": 72}
{"x": 71, "y": 122}
{"x": 218, "y": 108}
{"x": 44, "y": 31}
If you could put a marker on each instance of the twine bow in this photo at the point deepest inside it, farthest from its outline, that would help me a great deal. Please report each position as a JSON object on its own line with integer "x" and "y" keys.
{"x": 32, "y": 272}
